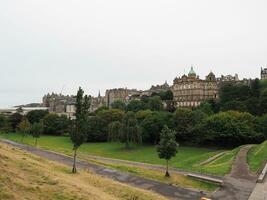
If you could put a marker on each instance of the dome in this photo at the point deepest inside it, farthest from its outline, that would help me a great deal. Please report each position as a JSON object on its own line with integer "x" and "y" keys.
{"x": 192, "y": 72}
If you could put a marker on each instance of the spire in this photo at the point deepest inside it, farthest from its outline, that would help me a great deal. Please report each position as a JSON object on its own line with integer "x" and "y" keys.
{"x": 99, "y": 95}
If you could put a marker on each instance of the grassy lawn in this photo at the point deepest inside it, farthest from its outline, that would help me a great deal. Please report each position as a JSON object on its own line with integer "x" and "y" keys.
{"x": 257, "y": 156}
{"x": 187, "y": 158}
{"x": 25, "y": 176}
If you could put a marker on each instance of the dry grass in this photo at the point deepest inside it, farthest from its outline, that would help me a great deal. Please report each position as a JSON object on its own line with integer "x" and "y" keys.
{"x": 25, "y": 176}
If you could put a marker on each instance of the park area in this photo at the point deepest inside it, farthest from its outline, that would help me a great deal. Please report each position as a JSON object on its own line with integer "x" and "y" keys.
{"x": 196, "y": 159}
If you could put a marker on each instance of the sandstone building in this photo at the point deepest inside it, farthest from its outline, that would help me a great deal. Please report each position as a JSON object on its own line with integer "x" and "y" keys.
{"x": 190, "y": 91}
{"x": 264, "y": 74}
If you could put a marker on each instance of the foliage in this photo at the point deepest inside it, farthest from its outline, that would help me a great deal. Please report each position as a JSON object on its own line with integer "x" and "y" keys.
{"x": 55, "y": 124}
{"x": 263, "y": 101}
{"x": 36, "y": 115}
{"x": 115, "y": 131}
{"x": 142, "y": 114}
{"x": 153, "y": 124}
{"x": 15, "y": 119}
{"x": 4, "y": 124}
{"x": 183, "y": 121}
{"x": 79, "y": 126}
{"x": 154, "y": 103}
{"x": 96, "y": 129}
{"x": 24, "y": 128}
{"x": 36, "y": 130}
{"x": 164, "y": 95}
{"x": 108, "y": 116}
{"x": 118, "y": 105}
{"x": 135, "y": 106}
{"x": 167, "y": 147}
{"x": 126, "y": 132}
{"x": 230, "y": 128}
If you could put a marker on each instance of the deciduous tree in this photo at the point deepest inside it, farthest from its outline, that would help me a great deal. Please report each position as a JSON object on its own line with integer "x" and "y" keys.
{"x": 167, "y": 147}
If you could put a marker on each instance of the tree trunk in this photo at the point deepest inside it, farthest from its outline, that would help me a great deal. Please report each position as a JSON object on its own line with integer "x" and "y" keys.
{"x": 22, "y": 138}
{"x": 35, "y": 144}
{"x": 167, "y": 169}
{"x": 74, "y": 170}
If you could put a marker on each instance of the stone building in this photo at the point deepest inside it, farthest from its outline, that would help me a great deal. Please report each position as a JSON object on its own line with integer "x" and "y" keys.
{"x": 228, "y": 78}
{"x": 121, "y": 94}
{"x": 264, "y": 74}
{"x": 60, "y": 104}
{"x": 155, "y": 89}
{"x": 190, "y": 91}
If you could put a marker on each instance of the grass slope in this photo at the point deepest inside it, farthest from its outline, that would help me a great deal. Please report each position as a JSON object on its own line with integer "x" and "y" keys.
{"x": 25, "y": 176}
{"x": 257, "y": 156}
{"x": 187, "y": 158}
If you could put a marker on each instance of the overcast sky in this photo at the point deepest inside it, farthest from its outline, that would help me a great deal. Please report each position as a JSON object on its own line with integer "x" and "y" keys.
{"x": 58, "y": 45}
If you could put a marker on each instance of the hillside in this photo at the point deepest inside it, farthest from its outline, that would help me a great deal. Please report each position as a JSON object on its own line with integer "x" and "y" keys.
{"x": 25, "y": 176}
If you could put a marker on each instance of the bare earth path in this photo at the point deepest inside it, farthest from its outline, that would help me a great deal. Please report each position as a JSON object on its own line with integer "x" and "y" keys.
{"x": 166, "y": 190}
{"x": 240, "y": 182}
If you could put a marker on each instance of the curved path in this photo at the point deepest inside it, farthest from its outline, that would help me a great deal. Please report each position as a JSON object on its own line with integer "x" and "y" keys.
{"x": 240, "y": 182}
{"x": 165, "y": 190}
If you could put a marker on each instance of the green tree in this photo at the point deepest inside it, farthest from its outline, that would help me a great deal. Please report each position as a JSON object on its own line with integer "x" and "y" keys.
{"x": 263, "y": 102}
{"x": 96, "y": 129}
{"x": 155, "y": 103}
{"x": 184, "y": 123}
{"x": 24, "y": 128}
{"x": 153, "y": 124}
{"x": 36, "y": 130}
{"x": 108, "y": 116}
{"x": 135, "y": 105}
{"x": 126, "y": 132}
{"x": 255, "y": 88}
{"x": 142, "y": 114}
{"x": 79, "y": 127}
{"x": 115, "y": 131}
{"x": 167, "y": 147}
{"x": 4, "y": 124}
{"x": 229, "y": 128}
{"x": 118, "y": 105}
{"x": 36, "y": 115}
{"x": 15, "y": 119}
{"x": 55, "y": 124}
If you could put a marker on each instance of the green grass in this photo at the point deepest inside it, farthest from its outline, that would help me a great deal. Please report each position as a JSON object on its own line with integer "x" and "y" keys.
{"x": 257, "y": 156}
{"x": 187, "y": 158}
{"x": 158, "y": 175}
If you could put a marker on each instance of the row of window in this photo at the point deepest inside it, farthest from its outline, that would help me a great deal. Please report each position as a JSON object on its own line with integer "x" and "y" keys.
{"x": 188, "y": 104}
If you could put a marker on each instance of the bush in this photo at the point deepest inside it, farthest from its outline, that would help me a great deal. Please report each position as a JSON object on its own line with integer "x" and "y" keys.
{"x": 55, "y": 124}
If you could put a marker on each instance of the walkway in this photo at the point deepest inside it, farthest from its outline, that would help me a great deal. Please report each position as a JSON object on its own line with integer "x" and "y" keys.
{"x": 260, "y": 191}
{"x": 240, "y": 182}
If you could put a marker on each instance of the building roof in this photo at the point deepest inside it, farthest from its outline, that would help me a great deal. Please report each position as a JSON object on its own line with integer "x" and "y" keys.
{"x": 192, "y": 72}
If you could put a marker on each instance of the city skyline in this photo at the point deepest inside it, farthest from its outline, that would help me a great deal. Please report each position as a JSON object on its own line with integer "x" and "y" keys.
{"x": 61, "y": 45}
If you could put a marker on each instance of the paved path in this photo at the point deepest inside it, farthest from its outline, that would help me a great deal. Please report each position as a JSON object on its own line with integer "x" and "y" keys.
{"x": 166, "y": 190}
{"x": 260, "y": 191}
{"x": 240, "y": 182}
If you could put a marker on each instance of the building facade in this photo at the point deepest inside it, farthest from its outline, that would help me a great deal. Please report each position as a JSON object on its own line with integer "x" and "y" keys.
{"x": 120, "y": 94}
{"x": 264, "y": 74}
{"x": 191, "y": 91}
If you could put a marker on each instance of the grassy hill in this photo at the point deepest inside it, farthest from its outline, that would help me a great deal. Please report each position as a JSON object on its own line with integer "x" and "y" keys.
{"x": 25, "y": 176}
